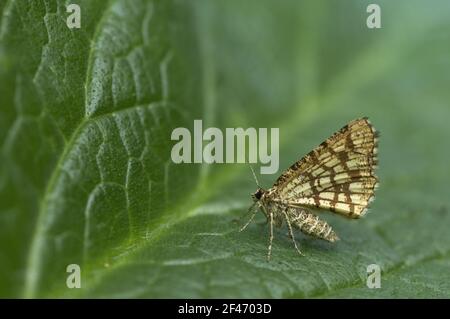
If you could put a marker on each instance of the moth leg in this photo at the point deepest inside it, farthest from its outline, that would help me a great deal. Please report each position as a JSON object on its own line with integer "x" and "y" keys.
{"x": 291, "y": 233}
{"x": 252, "y": 208}
{"x": 269, "y": 250}
{"x": 243, "y": 215}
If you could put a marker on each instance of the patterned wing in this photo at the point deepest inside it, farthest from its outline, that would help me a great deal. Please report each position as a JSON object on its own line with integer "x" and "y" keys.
{"x": 338, "y": 175}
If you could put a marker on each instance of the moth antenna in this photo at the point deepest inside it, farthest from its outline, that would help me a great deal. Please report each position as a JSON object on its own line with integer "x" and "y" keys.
{"x": 254, "y": 176}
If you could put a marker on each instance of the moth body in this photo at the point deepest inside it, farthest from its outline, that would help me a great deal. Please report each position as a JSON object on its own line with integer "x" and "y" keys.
{"x": 298, "y": 217}
{"x": 338, "y": 176}
{"x": 311, "y": 224}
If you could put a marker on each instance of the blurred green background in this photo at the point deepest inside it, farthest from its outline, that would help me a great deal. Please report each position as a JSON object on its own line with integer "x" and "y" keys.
{"x": 85, "y": 122}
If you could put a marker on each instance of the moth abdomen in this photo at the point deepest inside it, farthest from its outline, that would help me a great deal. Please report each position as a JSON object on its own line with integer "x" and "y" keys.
{"x": 311, "y": 224}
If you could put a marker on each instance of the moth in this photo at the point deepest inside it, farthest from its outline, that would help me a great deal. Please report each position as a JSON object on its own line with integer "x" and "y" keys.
{"x": 338, "y": 176}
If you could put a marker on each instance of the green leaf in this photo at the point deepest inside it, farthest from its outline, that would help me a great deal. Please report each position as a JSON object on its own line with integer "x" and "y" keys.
{"x": 85, "y": 122}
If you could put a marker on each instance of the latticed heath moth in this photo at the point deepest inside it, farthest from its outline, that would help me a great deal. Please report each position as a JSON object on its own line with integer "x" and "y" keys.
{"x": 338, "y": 176}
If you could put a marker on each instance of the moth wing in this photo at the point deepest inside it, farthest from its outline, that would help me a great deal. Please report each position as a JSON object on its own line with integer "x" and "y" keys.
{"x": 338, "y": 175}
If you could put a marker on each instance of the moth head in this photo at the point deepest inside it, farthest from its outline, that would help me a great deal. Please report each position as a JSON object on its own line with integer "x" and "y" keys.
{"x": 258, "y": 194}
